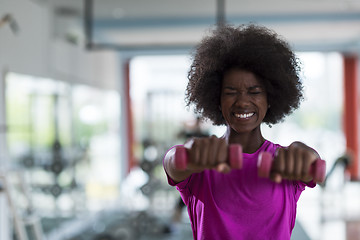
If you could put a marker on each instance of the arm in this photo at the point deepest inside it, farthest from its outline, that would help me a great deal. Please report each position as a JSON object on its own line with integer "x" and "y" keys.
{"x": 293, "y": 163}
{"x": 204, "y": 153}
{"x": 169, "y": 165}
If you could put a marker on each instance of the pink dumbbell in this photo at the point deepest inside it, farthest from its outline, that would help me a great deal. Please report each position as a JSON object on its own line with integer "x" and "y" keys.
{"x": 235, "y": 157}
{"x": 317, "y": 169}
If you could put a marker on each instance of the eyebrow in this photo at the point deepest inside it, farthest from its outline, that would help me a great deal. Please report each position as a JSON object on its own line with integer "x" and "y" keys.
{"x": 249, "y": 88}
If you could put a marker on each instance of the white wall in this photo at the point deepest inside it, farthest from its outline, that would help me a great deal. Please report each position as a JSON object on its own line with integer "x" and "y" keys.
{"x": 35, "y": 51}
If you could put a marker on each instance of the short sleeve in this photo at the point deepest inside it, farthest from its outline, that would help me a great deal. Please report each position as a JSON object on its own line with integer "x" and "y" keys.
{"x": 182, "y": 187}
{"x": 300, "y": 186}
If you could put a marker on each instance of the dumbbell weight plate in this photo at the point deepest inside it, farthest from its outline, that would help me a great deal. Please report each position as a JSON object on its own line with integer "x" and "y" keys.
{"x": 318, "y": 171}
{"x": 235, "y": 156}
{"x": 264, "y": 164}
{"x": 181, "y": 158}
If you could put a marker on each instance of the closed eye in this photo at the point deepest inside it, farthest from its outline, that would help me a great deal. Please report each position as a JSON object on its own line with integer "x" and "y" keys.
{"x": 230, "y": 93}
{"x": 255, "y": 90}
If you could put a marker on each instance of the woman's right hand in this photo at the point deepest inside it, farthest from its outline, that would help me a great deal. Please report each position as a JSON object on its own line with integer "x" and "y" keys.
{"x": 203, "y": 153}
{"x": 208, "y": 153}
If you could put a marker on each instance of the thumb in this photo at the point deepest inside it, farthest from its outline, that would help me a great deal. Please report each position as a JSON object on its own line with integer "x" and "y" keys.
{"x": 223, "y": 168}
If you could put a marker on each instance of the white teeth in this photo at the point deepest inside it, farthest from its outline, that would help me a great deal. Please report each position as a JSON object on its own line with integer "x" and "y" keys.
{"x": 243, "y": 115}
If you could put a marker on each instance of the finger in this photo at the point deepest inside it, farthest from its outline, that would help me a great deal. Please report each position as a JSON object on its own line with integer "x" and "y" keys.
{"x": 278, "y": 165}
{"x": 223, "y": 168}
{"x": 194, "y": 152}
{"x": 289, "y": 164}
{"x": 204, "y": 152}
{"x": 195, "y": 167}
{"x": 222, "y": 153}
{"x": 277, "y": 178}
{"x": 298, "y": 162}
{"x": 212, "y": 151}
{"x": 308, "y": 160}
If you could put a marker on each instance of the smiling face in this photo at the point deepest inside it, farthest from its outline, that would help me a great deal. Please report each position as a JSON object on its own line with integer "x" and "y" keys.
{"x": 243, "y": 101}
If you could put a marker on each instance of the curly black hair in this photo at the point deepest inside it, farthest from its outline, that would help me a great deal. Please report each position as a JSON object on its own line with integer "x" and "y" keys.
{"x": 253, "y": 48}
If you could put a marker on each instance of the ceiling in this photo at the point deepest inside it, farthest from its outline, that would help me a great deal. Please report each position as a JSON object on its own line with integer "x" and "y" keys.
{"x": 129, "y": 25}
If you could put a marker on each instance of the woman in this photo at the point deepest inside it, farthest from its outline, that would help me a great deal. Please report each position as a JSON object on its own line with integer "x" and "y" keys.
{"x": 242, "y": 77}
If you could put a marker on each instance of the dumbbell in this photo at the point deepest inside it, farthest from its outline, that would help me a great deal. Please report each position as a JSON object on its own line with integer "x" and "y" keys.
{"x": 234, "y": 156}
{"x": 317, "y": 169}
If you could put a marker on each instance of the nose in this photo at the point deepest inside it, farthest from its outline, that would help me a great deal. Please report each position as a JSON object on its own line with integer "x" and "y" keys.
{"x": 242, "y": 100}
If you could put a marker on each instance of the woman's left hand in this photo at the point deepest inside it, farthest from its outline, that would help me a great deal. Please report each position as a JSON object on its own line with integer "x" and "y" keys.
{"x": 293, "y": 163}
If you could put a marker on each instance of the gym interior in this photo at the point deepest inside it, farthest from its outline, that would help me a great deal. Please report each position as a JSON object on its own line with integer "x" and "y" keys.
{"x": 92, "y": 96}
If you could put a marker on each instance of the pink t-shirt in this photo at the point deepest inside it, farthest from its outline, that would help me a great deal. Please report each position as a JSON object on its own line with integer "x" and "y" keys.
{"x": 240, "y": 205}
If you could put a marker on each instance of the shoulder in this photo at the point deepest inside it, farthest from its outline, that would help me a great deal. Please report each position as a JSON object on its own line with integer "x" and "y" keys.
{"x": 269, "y": 146}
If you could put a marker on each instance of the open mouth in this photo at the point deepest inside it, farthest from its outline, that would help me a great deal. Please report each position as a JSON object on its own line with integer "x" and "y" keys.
{"x": 244, "y": 115}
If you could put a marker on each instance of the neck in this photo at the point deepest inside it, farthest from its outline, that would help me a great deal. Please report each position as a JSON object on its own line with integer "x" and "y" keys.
{"x": 250, "y": 141}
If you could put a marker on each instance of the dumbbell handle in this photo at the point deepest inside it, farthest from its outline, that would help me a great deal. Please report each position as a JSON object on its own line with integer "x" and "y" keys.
{"x": 181, "y": 157}
{"x": 317, "y": 169}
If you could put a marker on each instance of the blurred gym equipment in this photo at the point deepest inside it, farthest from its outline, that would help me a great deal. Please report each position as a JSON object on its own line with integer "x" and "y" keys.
{"x": 27, "y": 224}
